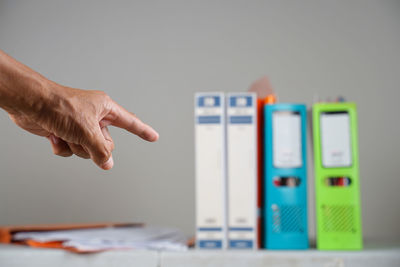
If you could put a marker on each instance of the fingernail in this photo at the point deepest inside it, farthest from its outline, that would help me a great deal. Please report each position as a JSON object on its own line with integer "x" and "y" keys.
{"x": 54, "y": 139}
{"x": 108, "y": 164}
{"x": 155, "y": 136}
{"x": 151, "y": 136}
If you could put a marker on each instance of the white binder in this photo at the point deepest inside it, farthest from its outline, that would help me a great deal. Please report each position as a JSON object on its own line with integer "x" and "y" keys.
{"x": 210, "y": 157}
{"x": 242, "y": 170}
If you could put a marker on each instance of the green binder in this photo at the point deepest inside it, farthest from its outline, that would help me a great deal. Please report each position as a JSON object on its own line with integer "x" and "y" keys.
{"x": 337, "y": 181}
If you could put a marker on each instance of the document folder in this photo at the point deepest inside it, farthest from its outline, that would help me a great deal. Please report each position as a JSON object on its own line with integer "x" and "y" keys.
{"x": 285, "y": 177}
{"x": 337, "y": 181}
{"x": 242, "y": 170}
{"x": 210, "y": 170}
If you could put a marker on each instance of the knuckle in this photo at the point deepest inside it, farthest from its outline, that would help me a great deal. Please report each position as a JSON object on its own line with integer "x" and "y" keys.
{"x": 62, "y": 153}
{"x": 103, "y": 94}
{"x": 106, "y": 97}
{"x": 98, "y": 92}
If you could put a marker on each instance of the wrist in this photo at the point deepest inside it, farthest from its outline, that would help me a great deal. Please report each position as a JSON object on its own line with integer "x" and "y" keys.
{"x": 29, "y": 98}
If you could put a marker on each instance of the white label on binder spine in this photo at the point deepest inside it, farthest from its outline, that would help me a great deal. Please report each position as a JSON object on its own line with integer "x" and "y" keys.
{"x": 335, "y": 139}
{"x": 286, "y": 139}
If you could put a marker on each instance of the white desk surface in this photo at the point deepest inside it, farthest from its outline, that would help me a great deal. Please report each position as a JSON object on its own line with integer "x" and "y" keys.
{"x": 380, "y": 256}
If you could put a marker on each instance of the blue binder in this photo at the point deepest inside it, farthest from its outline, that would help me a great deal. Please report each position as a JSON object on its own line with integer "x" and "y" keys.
{"x": 285, "y": 184}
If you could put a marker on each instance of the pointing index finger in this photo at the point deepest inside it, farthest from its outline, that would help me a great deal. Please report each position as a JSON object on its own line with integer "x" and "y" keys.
{"x": 122, "y": 118}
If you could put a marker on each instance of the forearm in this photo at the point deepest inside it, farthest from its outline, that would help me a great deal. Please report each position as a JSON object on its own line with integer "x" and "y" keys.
{"x": 22, "y": 90}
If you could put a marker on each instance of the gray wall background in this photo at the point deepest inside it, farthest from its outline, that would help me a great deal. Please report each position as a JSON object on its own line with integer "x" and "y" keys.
{"x": 151, "y": 56}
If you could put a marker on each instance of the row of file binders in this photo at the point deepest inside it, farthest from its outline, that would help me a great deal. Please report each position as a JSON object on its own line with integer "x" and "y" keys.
{"x": 251, "y": 173}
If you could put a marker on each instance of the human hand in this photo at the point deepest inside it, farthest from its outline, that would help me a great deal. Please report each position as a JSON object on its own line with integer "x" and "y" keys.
{"x": 75, "y": 121}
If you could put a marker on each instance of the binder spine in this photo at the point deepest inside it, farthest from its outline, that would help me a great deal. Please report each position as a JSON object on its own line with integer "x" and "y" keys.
{"x": 242, "y": 170}
{"x": 210, "y": 171}
{"x": 260, "y": 173}
{"x": 285, "y": 177}
{"x": 337, "y": 182}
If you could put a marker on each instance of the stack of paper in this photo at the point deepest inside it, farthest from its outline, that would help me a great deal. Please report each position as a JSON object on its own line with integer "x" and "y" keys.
{"x": 87, "y": 240}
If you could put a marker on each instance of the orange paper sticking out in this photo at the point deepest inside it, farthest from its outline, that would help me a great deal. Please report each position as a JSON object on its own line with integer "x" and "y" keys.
{"x": 263, "y": 88}
{"x": 265, "y": 93}
{"x": 270, "y": 99}
{"x": 7, "y": 232}
{"x": 56, "y": 245}
{"x": 37, "y": 244}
